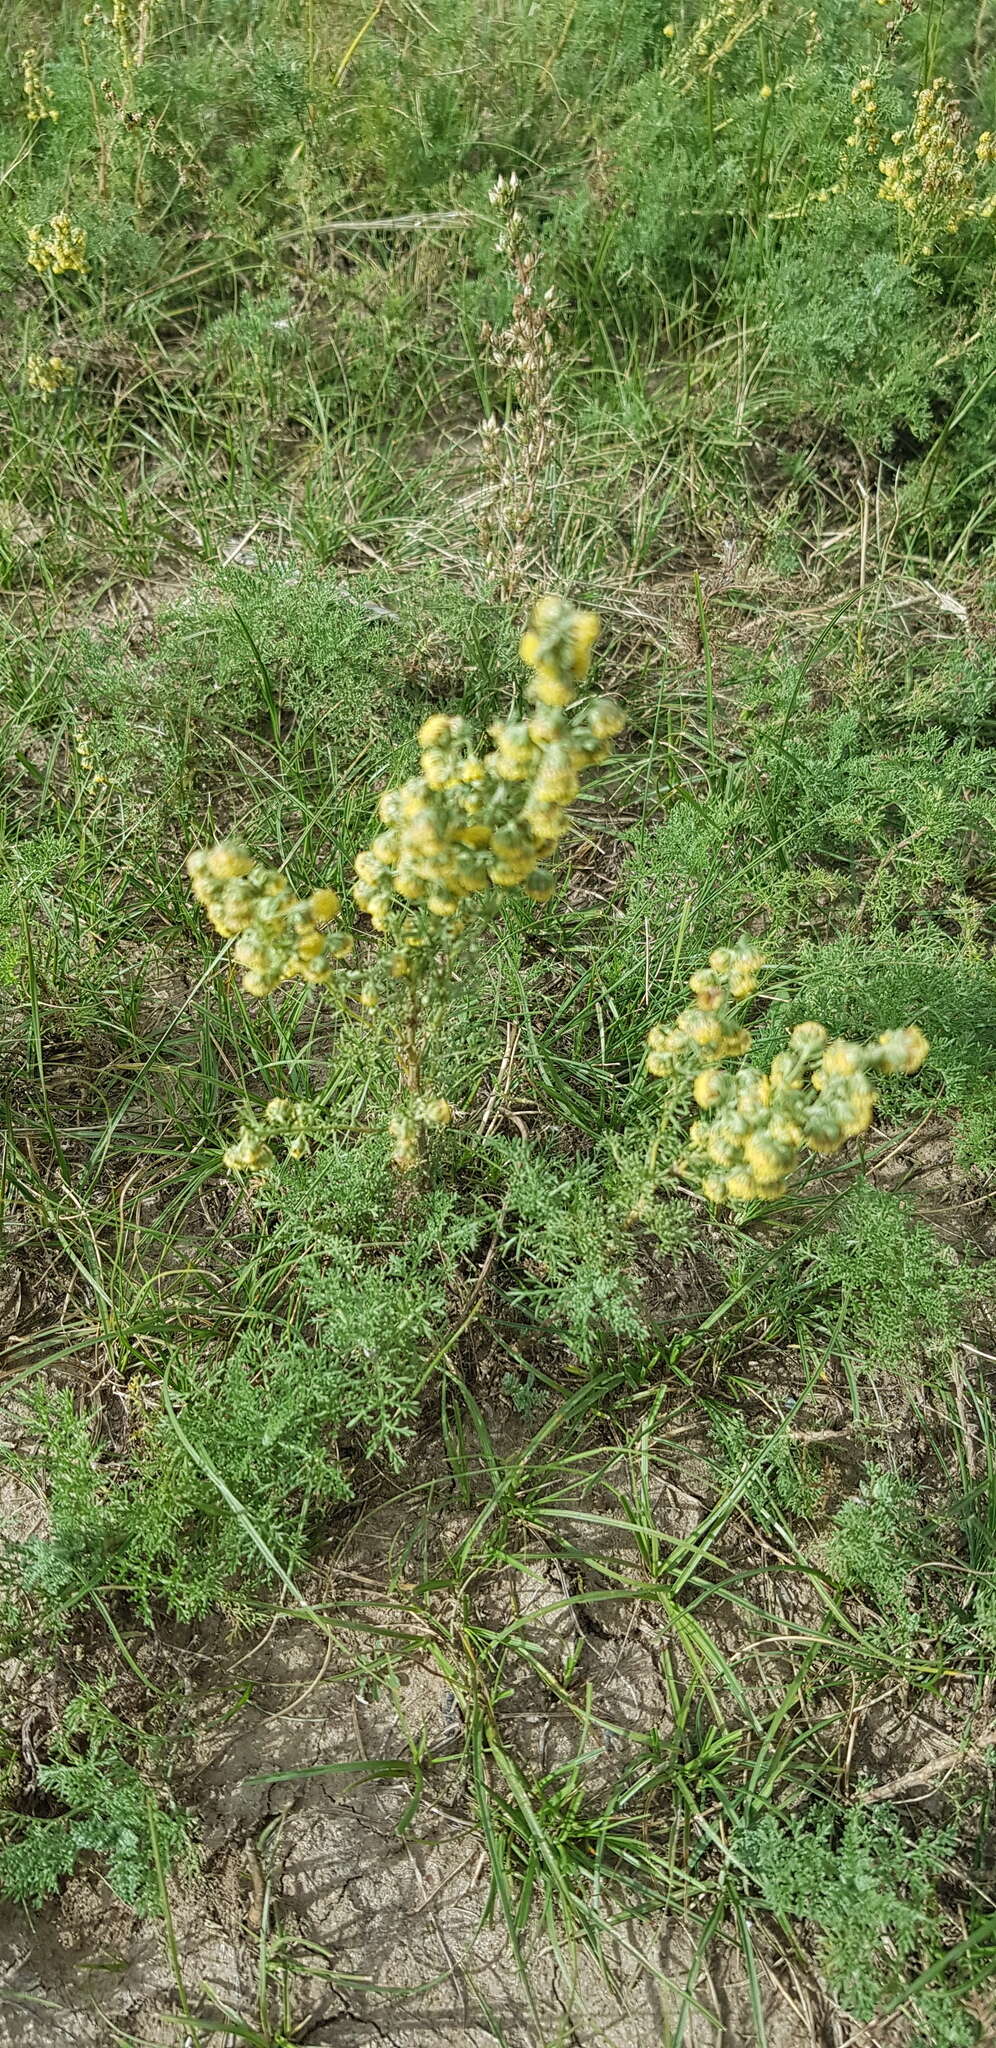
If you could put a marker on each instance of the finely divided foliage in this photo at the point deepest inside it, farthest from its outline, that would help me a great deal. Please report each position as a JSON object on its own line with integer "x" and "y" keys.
{"x": 500, "y": 1347}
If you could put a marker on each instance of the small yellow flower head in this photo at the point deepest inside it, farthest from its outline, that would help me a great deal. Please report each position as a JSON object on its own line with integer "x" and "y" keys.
{"x": 606, "y": 719}
{"x": 704, "y": 1031}
{"x": 433, "y": 1110}
{"x": 856, "y": 1108}
{"x": 558, "y": 646}
{"x": 226, "y": 862}
{"x": 903, "y": 1052}
{"x": 743, "y": 981}
{"x": 708, "y": 988}
{"x": 539, "y": 885}
{"x": 753, "y": 1095}
{"x": 841, "y": 1058}
{"x": 768, "y": 1160}
{"x": 515, "y": 758}
{"x": 546, "y": 821}
{"x": 808, "y": 1039}
{"x": 249, "y": 1154}
{"x": 546, "y": 724}
{"x": 58, "y": 249}
{"x": 711, "y": 1087}
{"x": 744, "y": 972}
{"x": 550, "y": 686}
{"x": 715, "y": 1144}
{"x": 435, "y": 732}
{"x": 765, "y": 92}
{"x": 557, "y": 782}
{"x": 406, "y": 1148}
{"x": 48, "y": 374}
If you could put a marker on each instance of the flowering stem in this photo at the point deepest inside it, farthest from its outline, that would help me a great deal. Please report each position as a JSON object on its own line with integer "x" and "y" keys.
{"x": 410, "y": 1045}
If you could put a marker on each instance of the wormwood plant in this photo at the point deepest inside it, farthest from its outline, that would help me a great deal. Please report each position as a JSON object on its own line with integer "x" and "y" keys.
{"x": 871, "y": 1894}
{"x": 48, "y": 374}
{"x": 517, "y": 452}
{"x": 872, "y": 1545}
{"x": 38, "y": 102}
{"x": 815, "y": 1096}
{"x": 101, "y": 1803}
{"x": 467, "y": 826}
{"x": 938, "y": 178}
{"x": 59, "y": 249}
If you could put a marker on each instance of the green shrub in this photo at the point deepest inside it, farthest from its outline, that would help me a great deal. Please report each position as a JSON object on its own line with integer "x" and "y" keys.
{"x": 252, "y": 1449}
{"x": 106, "y": 1807}
{"x": 870, "y": 1893}
{"x": 871, "y": 1544}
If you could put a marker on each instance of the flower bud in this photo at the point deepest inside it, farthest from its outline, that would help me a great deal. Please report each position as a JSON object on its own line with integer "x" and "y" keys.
{"x": 808, "y": 1039}
{"x": 710, "y": 1088}
{"x": 606, "y": 719}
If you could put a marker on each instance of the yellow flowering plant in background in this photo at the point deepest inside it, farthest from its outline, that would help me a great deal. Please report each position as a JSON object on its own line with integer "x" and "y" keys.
{"x": 930, "y": 170}
{"x": 936, "y": 179}
{"x": 128, "y": 23}
{"x": 57, "y": 249}
{"x": 468, "y": 826}
{"x": 38, "y": 102}
{"x": 696, "y": 51}
{"x": 48, "y": 374}
{"x": 758, "y": 1126}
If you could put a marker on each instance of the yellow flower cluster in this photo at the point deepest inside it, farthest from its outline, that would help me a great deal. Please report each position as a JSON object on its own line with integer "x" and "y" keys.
{"x": 48, "y": 374}
{"x": 130, "y": 23}
{"x": 936, "y": 176}
{"x": 58, "y": 248}
{"x": 816, "y": 1095}
{"x": 427, "y": 1112}
{"x": 864, "y": 134}
{"x": 468, "y": 823}
{"x": 252, "y": 1152}
{"x": 38, "y": 102}
{"x": 278, "y": 935}
{"x": 707, "y": 1030}
{"x": 90, "y": 766}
